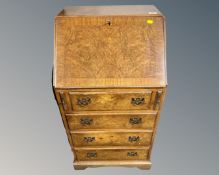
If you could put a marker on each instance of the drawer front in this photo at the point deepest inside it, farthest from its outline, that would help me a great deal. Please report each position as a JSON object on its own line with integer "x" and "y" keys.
{"x": 109, "y": 100}
{"x": 112, "y": 154}
{"x": 108, "y": 138}
{"x": 94, "y": 101}
{"x": 111, "y": 121}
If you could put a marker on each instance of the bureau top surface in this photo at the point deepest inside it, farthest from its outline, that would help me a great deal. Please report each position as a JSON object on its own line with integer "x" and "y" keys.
{"x": 109, "y": 10}
{"x": 102, "y": 47}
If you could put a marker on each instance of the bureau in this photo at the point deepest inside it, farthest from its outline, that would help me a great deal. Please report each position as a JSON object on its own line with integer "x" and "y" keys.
{"x": 109, "y": 81}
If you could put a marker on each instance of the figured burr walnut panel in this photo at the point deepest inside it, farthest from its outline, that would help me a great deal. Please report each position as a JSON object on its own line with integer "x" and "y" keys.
{"x": 113, "y": 138}
{"x": 111, "y": 154}
{"x": 127, "y": 52}
{"x": 122, "y": 120}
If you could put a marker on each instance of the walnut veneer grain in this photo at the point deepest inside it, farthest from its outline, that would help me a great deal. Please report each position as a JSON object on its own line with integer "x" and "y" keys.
{"x": 109, "y": 81}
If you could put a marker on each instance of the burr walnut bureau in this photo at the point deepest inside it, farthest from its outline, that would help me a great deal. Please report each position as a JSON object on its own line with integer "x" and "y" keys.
{"x": 109, "y": 81}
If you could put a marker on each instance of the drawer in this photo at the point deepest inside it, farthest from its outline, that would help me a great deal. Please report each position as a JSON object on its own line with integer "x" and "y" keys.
{"x": 106, "y": 120}
{"x": 111, "y": 154}
{"x": 111, "y": 138}
{"x": 109, "y": 99}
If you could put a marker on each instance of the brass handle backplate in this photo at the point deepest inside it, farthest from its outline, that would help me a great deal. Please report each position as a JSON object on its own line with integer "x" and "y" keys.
{"x": 89, "y": 139}
{"x": 83, "y": 101}
{"x": 86, "y": 121}
{"x": 134, "y": 138}
{"x": 137, "y": 101}
{"x": 91, "y": 154}
{"x": 132, "y": 154}
{"x": 135, "y": 120}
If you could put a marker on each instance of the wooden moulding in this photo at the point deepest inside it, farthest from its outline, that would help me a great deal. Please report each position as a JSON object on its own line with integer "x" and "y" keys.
{"x": 81, "y": 165}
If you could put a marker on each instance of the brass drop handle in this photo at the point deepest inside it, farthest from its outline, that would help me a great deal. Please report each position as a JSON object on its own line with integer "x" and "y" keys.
{"x": 83, "y": 101}
{"x": 135, "y": 120}
{"x": 89, "y": 139}
{"x": 91, "y": 154}
{"x": 132, "y": 154}
{"x": 134, "y": 139}
{"x": 137, "y": 101}
{"x": 86, "y": 121}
